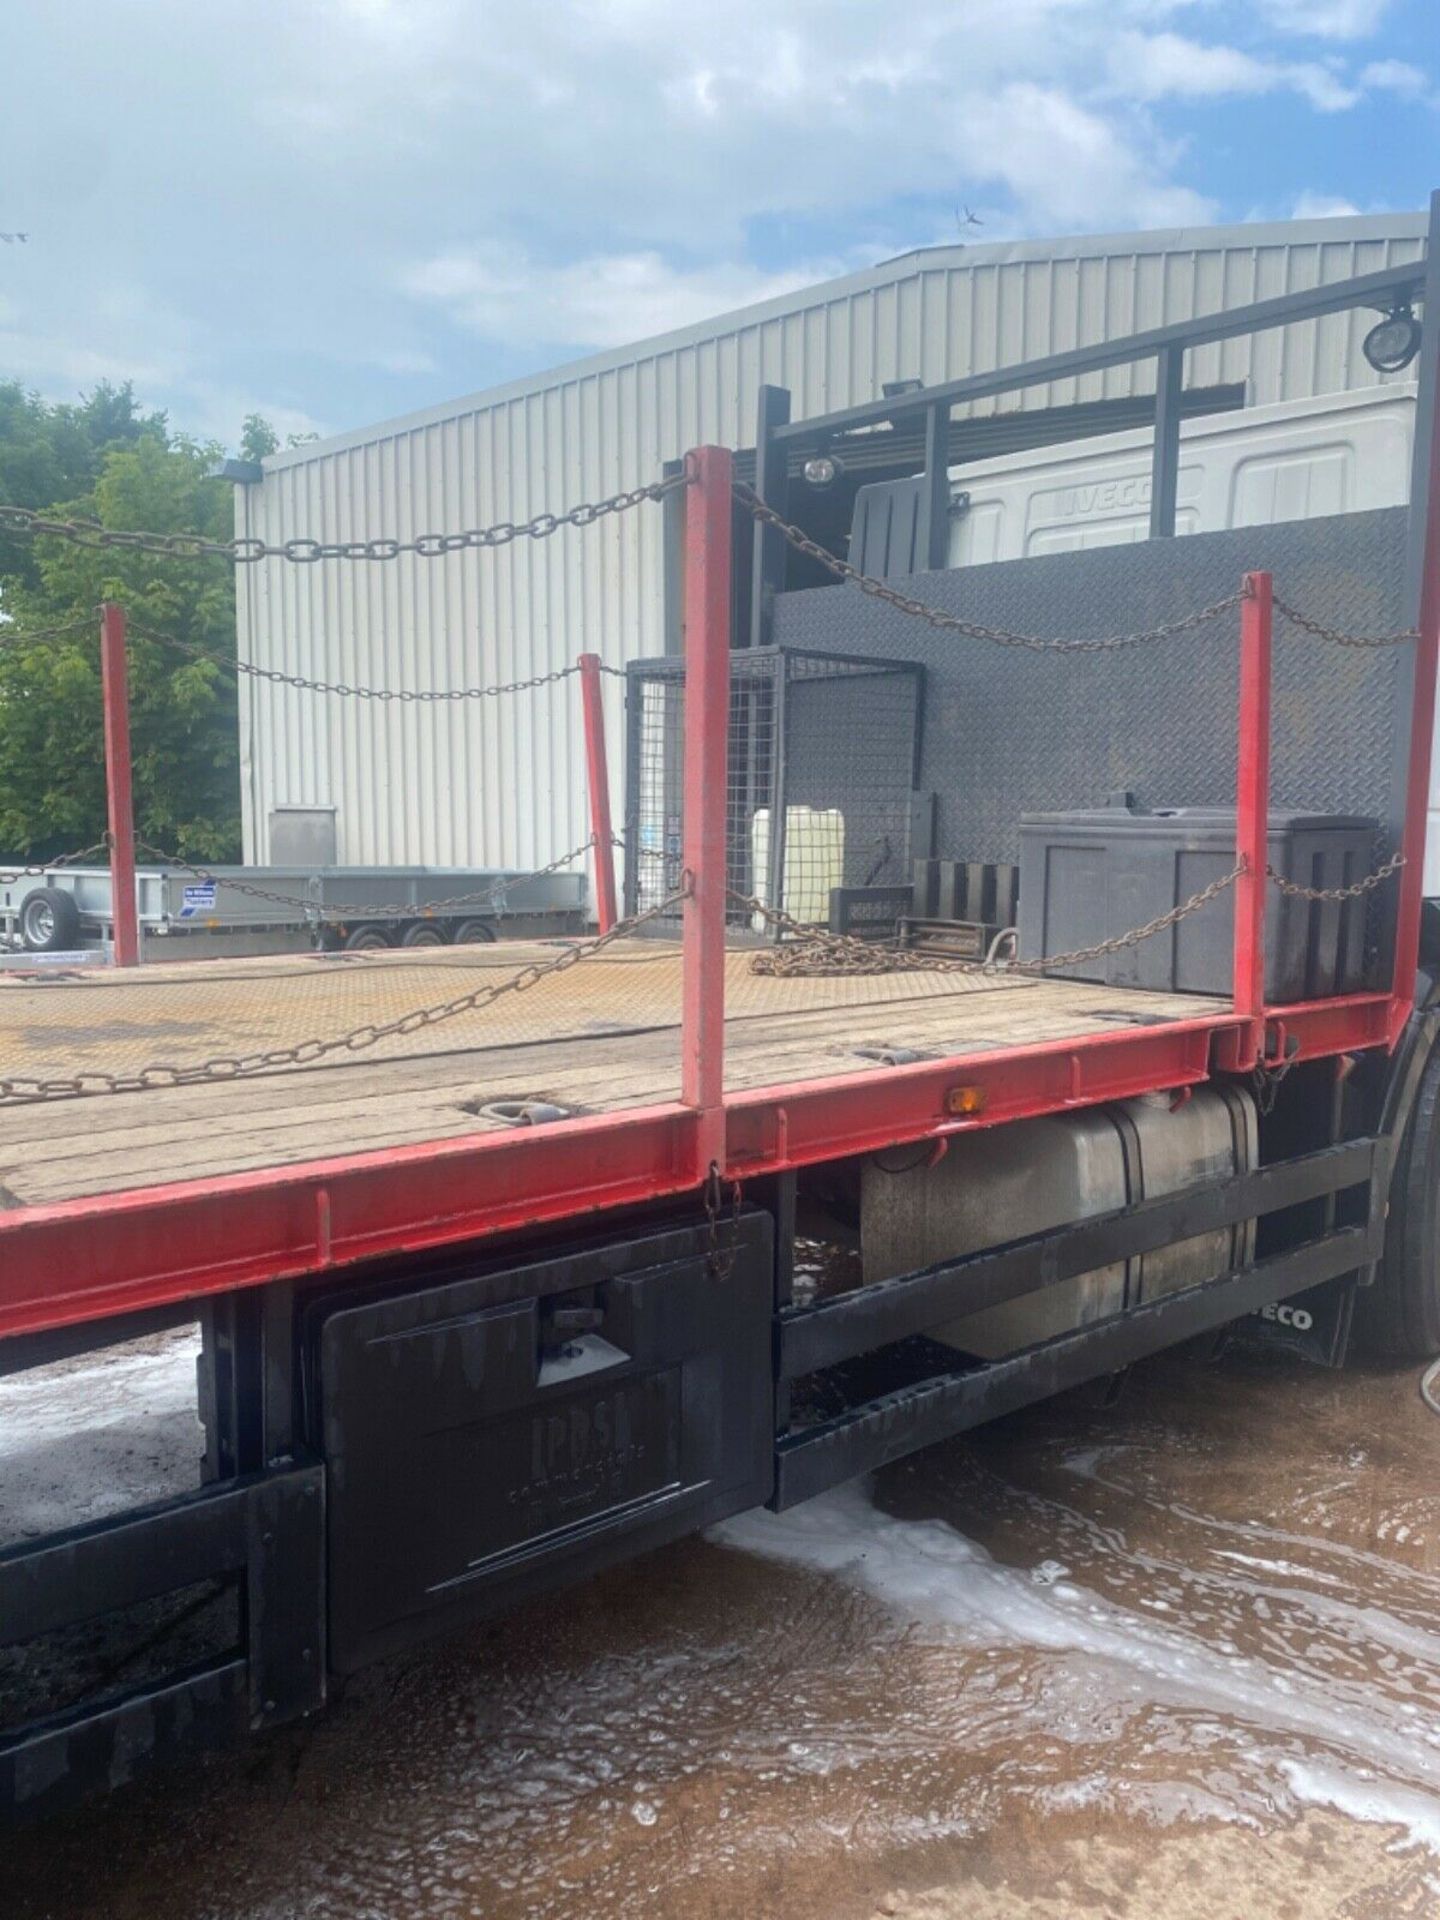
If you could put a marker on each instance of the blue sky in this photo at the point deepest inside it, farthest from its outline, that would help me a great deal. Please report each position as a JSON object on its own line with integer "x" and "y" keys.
{"x": 332, "y": 211}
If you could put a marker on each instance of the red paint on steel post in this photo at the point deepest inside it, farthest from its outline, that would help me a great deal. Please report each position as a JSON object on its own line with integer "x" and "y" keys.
{"x": 707, "y": 729}
{"x": 1252, "y": 811}
{"x": 115, "y": 690}
{"x": 597, "y": 773}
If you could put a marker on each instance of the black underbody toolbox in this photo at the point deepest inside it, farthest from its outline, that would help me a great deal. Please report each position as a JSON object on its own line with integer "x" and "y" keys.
{"x": 497, "y": 1432}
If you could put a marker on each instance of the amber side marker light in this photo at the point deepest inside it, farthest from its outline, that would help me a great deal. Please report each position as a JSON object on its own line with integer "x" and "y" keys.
{"x": 964, "y": 1100}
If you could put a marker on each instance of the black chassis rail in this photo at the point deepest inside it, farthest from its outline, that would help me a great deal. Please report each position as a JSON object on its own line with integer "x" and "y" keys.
{"x": 810, "y": 1459}
{"x": 266, "y": 1531}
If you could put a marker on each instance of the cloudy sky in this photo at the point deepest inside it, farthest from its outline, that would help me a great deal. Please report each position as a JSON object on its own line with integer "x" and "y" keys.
{"x": 336, "y": 210}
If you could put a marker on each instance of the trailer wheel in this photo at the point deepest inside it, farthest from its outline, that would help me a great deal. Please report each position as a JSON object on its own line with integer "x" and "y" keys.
{"x": 1399, "y": 1317}
{"x": 363, "y": 938}
{"x": 474, "y": 933}
{"x": 49, "y": 920}
{"x": 423, "y": 933}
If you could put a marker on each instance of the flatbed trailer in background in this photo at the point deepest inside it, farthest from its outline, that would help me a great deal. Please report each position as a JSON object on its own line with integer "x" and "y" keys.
{"x": 185, "y": 912}
{"x": 493, "y": 1253}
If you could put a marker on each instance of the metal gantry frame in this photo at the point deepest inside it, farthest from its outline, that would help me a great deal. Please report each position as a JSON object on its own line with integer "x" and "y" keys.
{"x": 1166, "y": 345}
{"x": 117, "y": 1253}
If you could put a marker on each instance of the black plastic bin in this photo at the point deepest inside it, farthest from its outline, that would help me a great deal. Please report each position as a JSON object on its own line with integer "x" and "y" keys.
{"x": 1086, "y": 877}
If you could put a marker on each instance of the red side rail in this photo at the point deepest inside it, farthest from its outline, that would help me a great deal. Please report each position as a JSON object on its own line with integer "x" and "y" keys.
{"x": 115, "y": 689}
{"x": 1252, "y": 816}
{"x": 597, "y": 771}
{"x": 708, "y": 507}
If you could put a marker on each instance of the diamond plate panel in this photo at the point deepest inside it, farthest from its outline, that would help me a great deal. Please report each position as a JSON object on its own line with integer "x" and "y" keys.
{"x": 1010, "y": 732}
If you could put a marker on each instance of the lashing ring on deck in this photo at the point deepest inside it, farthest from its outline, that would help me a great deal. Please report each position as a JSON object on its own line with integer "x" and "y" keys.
{"x": 524, "y": 1113}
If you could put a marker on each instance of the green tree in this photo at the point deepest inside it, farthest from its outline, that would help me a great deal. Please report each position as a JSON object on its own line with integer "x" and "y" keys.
{"x": 257, "y": 438}
{"x": 125, "y": 470}
{"x": 50, "y": 453}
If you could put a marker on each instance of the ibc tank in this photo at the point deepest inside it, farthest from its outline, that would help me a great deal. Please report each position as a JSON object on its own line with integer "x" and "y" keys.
{"x": 814, "y": 862}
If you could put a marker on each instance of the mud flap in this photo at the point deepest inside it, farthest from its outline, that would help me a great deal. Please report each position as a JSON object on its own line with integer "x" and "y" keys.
{"x": 1314, "y": 1325}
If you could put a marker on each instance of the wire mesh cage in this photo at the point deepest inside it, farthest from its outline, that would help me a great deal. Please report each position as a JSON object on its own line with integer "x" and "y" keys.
{"x": 823, "y": 757}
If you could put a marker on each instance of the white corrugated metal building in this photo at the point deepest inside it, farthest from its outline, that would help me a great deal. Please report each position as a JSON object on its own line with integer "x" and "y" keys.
{"x": 502, "y": 781}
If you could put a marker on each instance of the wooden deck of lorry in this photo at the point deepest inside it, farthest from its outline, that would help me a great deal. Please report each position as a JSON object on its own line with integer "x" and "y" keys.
{"x": 599, "y": 1038}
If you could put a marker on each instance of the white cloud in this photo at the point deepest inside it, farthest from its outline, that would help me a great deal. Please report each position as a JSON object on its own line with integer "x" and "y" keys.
{"x": 601, "y": 300}
{"x": 1070, "y": 167}
{"x": 1326, "y": 19}
{"x": 1321, "y": 206}
{"x": 329, "y": 203}
{"x": 1160, "y": 66}
{"x": 1396, "y": 76}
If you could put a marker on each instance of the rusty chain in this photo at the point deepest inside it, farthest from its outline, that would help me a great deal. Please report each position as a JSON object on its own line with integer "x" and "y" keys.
{"x": 346, "y": 910}
{"x": 23, "y": 1090}
{"x": 1355, "y": 892}
{"x": 304, "y": 551}
{"x": 952, "y": 623}
{"x": 817, "y": 952}
{"x": 720, "y": 1261}
{"x": 9, "y": 876}
{"x": 1318, "y": 631}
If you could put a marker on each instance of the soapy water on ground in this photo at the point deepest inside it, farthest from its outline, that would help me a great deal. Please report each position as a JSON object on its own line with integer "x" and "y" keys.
{"x": 1179, "y": 1655}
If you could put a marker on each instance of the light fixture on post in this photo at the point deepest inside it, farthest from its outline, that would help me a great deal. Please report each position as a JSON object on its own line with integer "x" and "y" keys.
{"x": 821, "y": 470}
{"x": 1394, "y": 341}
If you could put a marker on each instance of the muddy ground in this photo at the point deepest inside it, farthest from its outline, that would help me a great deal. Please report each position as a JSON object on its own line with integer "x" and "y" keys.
{"x": 1178, "y": 1656}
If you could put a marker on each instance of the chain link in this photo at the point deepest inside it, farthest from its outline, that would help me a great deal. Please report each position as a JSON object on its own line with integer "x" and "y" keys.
{"x": 1356, "y": 892}
{"x": 22, "y": 1090}
{"x": 952, "y": 623}
{"x": 493, "y": 895}
{"x": 15, "y": 635}
{"x": 10, "y": 875}
{"x": 304, "y": 551}
{"x": 720, "y": 1261}
{"x": 817, "y": 952}
{"x": 345, "y": 689}
{"x": 1318, "y": 631}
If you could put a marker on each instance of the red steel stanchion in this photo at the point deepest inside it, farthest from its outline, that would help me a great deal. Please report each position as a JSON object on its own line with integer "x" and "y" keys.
{"x": 597, "y": 771}
{"x": 707, "y": 723}
{"x": 114, "y": 682}
{"x": 1252, "y": 813}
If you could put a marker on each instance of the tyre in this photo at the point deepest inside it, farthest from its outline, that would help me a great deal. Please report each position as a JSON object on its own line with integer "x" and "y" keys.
{"x": 363, "y": 938}
{"x": 49, "y": 921}
{"x": 423, "y": 933}
{"x": 1399, "y": 1317}
{"x": 473, "y": 933}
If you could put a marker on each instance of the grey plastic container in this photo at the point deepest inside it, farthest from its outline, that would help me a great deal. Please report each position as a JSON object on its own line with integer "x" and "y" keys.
{"x": 1086, "y": 877}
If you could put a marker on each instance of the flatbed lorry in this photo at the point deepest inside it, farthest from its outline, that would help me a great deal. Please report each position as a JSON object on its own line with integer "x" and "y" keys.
{"x": 493, "y": 1254}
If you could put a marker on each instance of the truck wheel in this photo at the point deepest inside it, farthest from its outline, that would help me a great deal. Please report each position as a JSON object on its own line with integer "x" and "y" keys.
{"x": 1399, "y": 1317}
{"x": 363, "y": 939}
{"x": 474, "y": 933}
{"x": 49, "y": 921}
{"x": 424, "y": 933}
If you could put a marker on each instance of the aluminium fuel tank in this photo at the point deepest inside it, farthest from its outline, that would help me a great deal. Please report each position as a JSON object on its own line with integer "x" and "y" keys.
{"x": 1005, "y": 1183}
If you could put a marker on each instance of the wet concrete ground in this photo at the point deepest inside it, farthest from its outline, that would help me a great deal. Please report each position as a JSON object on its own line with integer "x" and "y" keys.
{"x": 1178, "y": 1656}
